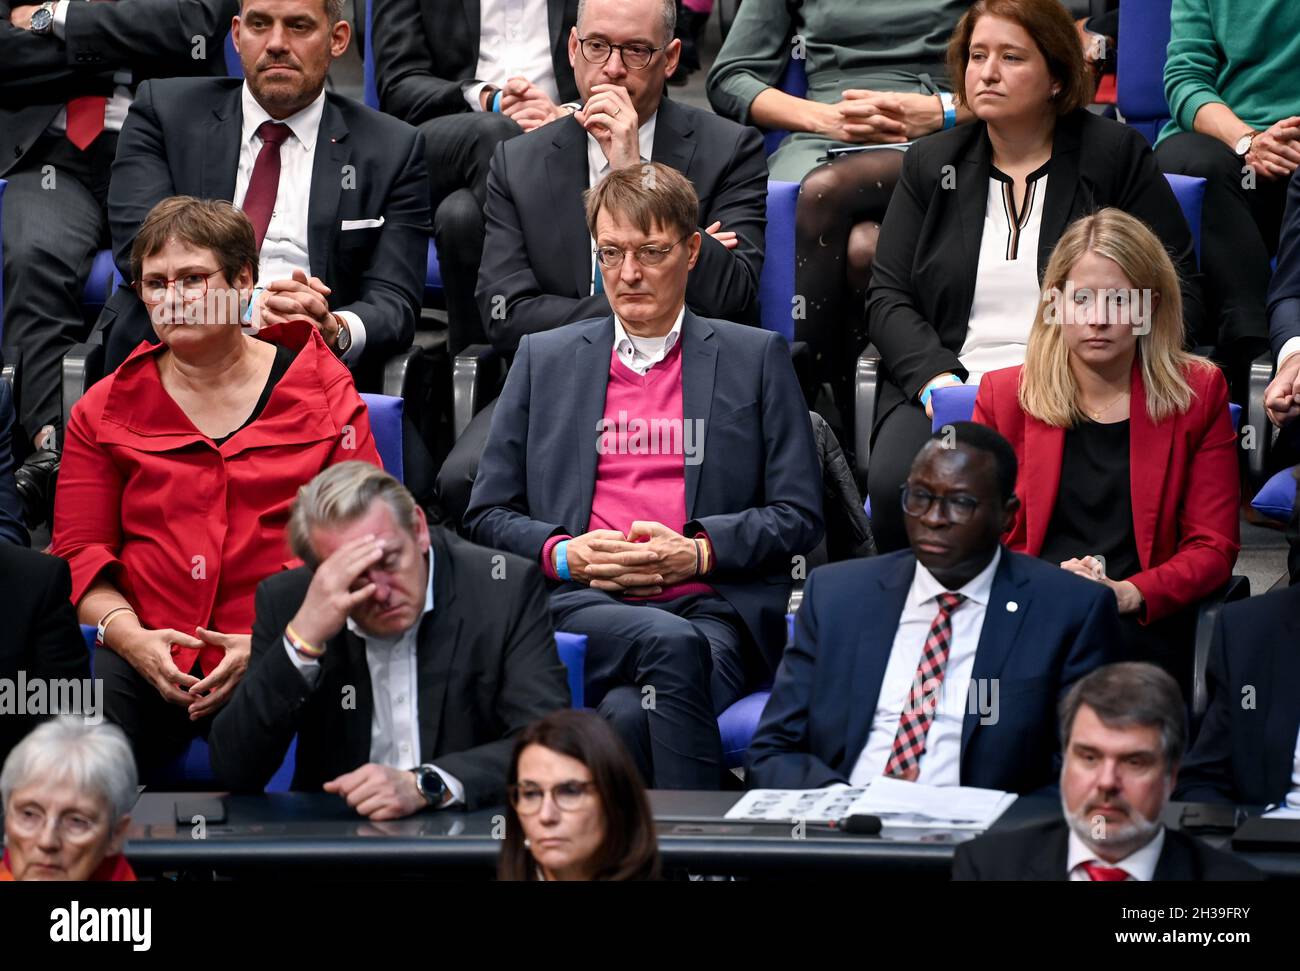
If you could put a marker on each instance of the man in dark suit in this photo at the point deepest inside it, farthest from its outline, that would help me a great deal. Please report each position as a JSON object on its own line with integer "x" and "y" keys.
{"x": 337, "y": 193}
{"x": 12, "y": 529}
{"x": 40, "y": 637}
{"x": 469, "y": 76}
{"x": 403, "y": 690}
{"x": 68, "y": 72}
{"x": 1123, "y": 729}
{"x": 940, "y": 664}
{"x": 537, "y": 271}
{"x": 1248, "y": 748}
{"x": 662, "y": 467}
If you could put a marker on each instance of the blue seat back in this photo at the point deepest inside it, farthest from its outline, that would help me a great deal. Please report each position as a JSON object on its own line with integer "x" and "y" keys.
{"x": 370, "y": 92}
{"x": 794, "y": 81}
{"x": 432, "y": 276}
{"x": 953, "y": 403}
{"x": 572, "y": 649}
{"x": 234, "y": 67}
{"x": 776, "y": 282}
{"x": 386, "y": 426}
{"x": 102, "y": 280}
{"x": 1189, "y": 190}
{"x": 1140, "y": 66}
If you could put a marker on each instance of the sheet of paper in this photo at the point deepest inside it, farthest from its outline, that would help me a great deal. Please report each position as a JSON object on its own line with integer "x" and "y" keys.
{"x": 898, "y": 804}
{"x": 1283, "y": 812}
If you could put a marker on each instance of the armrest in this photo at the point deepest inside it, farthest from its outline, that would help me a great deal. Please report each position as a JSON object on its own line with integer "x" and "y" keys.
{"x": 83, "y": 365}
{"x": 1207, "y": 612}
{"x": 472, "y": 383}
{"x": 401, "y": 370}
{"x": 1261, "y": 373}
{"x": 10, "y": 373}
{"x": 865, "y": 397}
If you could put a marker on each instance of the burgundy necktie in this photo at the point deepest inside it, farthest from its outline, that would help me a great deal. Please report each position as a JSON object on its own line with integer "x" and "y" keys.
{"x": 1104, "y": 874}
{"x": 259, "y": 200}
{"x": 85, "y": 120}
{"x": 918, "y": 713}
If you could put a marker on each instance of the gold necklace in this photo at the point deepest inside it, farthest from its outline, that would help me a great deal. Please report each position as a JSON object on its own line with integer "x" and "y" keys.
{"x": 1096, "y": 415}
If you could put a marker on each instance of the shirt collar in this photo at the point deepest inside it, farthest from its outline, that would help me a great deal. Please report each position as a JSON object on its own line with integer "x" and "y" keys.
{"x": 1140, "y": 865}
{"x": 304, "y": 124}
{"x": 428, "y": 606}
{"x": 925, "y": 587}
{"x": 623, "y": 341}
{"x": 596, "y": 161}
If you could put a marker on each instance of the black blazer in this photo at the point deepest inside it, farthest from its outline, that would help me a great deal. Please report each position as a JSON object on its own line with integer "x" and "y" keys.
{"x": 757, "y": 491}
{"x": 426, "y": 54}
{"x": 12, "y": 529}
{"x": 536, "y": 268}
{"x": 40, "y": 635}
{"x": 151, "y": 38}
{"x": 923, "y": 279}
{"x": 1245, "y": 750}
{"x": 182, "y": 138}
{"x": 484, "y": 674}
{"x": 1284, "y": 289}
{"x": 1041, "y": 852}
{"x": 823, "y": 702}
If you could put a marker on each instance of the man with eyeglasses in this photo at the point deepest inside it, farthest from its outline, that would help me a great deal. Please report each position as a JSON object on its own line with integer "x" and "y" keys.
{"x": 538, "y": 271}
{"x": 661, "y": 467}
{"x": 940, "y": 664}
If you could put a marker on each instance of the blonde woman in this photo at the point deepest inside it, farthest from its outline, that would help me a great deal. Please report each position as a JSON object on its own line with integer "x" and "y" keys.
{"x": 1128, "y": 469}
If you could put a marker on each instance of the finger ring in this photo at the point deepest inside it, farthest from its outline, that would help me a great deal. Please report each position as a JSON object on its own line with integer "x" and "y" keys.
{"x": 617, "y": 109}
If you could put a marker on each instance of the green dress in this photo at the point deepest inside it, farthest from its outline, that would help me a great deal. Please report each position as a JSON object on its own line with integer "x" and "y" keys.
{"x": 884, "y": 45}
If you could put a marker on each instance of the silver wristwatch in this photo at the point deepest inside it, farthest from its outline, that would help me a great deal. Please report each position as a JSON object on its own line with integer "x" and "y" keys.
{"x": 43, "y": 19}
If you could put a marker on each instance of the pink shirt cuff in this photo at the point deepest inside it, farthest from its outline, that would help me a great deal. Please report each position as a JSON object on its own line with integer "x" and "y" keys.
{"x": 548, "y": 561}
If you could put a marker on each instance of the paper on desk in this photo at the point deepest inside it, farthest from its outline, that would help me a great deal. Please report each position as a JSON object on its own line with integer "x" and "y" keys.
{"x": 897, "y": 803}
{"x": 1283, "y": 812}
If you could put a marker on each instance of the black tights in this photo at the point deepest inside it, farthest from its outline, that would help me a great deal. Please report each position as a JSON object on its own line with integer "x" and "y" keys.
{"x": 837, "y": 221}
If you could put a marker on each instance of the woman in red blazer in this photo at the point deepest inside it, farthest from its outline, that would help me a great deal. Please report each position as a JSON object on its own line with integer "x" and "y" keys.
{"x": 179, "y": 470}
{"x": 1128, "y": 465}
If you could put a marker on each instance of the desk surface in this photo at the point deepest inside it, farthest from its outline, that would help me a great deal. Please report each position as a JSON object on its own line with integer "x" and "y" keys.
{"x": 278, "y": 830}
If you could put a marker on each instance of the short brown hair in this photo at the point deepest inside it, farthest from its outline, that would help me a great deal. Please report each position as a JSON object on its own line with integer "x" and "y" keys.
{"x": 212, "y": 224}
{"x": 630, "y": 850}
{"x": 1049, "y": 24}
{"x": 649, "y": 194}
{"x": 1126, "y": 694}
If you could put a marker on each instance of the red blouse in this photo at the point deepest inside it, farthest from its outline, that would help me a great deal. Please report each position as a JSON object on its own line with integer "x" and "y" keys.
{"x": 184, "y": 528}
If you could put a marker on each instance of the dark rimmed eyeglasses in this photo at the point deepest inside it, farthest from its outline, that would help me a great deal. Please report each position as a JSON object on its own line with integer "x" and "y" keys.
{"x": 611, "y": 257}
{"x": 957, "y": 509}
{"x": 190, "y": 286}
{"x": 567, "y": 796}
{"x": 635, "y": 56}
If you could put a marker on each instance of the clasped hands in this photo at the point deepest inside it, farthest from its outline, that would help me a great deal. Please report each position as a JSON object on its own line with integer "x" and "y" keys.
{"x": 301, "y": 297}
{"x": 879, "y": 117}
{"x": 1127, "y": 596}
{"x": 648, "y": 559}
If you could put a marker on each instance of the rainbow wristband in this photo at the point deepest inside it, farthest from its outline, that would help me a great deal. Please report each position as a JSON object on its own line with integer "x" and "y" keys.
{"x": 301, "y": 646}
{"x": 562, "y": 560}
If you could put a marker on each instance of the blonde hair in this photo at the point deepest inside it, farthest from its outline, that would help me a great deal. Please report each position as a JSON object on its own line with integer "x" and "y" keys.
{"x": 1048, "y": 390}
{"x": 342, "y": 494}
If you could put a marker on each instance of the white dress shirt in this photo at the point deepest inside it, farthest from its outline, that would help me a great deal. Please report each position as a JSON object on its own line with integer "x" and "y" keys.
{"x": 1140, "y": 865}
{"x": 1293, "y": 797}
{"x": 940, "y": 765}
{"x": 394, "y": 689}
{"x": 119, "y": 102}
{"x": 640, "y": 354}
{"x": 1007, "y": 291}
{"x": 1290, "y": 347}
{"x": 598, "y": 168}
{"x": 514, "y": 41}
{"x": 284, "y": 248}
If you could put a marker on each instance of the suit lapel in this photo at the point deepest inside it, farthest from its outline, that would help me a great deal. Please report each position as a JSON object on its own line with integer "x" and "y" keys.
{"x": 1042, "y": 478}
{"x": 435, "y": 646}
{"x": 1177, "y": 859}
{"x": 1149, "y": 447}
{"x": 1050, "y": 861}
{"x": 699, "y": 368}
{"x": 327, "y": 177}
{"x": 473, "y": 32}
{"x": 591, "y": 357}
{"x": 567, "y": 176}
{"x": 221, "y": 144}
{"x": 972, "y": 203}
{"x": 357, "y": 722}
{"x": 875, "y": 642}
{"x": 1001, "y": 627}
{"x": 1062, "y": 185}
{"x": 555, "y": 26}
{"x": 674, "y": 145}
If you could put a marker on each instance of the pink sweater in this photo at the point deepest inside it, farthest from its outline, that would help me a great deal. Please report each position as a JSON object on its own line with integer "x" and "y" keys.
{"x": 640, "y": 468}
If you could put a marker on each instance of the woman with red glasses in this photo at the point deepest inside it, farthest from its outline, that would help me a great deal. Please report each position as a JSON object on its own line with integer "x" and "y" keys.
{"x": 178, "y": 474}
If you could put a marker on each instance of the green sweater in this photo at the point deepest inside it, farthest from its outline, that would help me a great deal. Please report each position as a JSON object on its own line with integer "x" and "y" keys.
{"x": 1242, "y": 53}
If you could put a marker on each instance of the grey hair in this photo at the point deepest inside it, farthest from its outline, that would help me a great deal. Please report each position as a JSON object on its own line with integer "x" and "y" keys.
{"x": 669, "y": 12}
{"x": 341, "y": 494}
{"x": 94, "y": 758}
{"x": 1131, "y": 693}
{"x": 334, "y": 10}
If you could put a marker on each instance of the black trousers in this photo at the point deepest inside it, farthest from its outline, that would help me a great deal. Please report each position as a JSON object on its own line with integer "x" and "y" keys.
{"x": 458, "y": 149}
{"x": 55, "y": 221}
{"x": 456, "y": 477}
{"x": 158, "y": 731}
{"x": 898, "y": 439}
{"x": 1240, "y": 223}
{"x": 686, "y": 660}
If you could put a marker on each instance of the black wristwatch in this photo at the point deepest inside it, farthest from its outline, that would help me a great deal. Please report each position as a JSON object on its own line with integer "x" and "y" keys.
{"x": 43, "y": 19}
{"x": 431, "y": 785}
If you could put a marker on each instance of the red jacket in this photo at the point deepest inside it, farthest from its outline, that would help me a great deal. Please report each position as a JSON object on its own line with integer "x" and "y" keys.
{"x": 1183, "y": 472}
{"x": 186, "y": 529}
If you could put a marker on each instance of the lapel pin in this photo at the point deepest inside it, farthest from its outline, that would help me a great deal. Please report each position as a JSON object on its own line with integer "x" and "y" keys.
{"x": 1012, "y": 606}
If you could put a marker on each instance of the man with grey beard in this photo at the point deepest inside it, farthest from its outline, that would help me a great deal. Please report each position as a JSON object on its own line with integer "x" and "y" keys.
{"x": 1123, "y": 733}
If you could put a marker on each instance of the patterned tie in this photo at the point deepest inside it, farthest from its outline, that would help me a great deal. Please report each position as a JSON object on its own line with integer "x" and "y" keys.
{"x": 918, "y": 713}
{"x": 85, "y": 120}
{"x": 259, "y": 200}
{"x": 1104, "y": 874}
